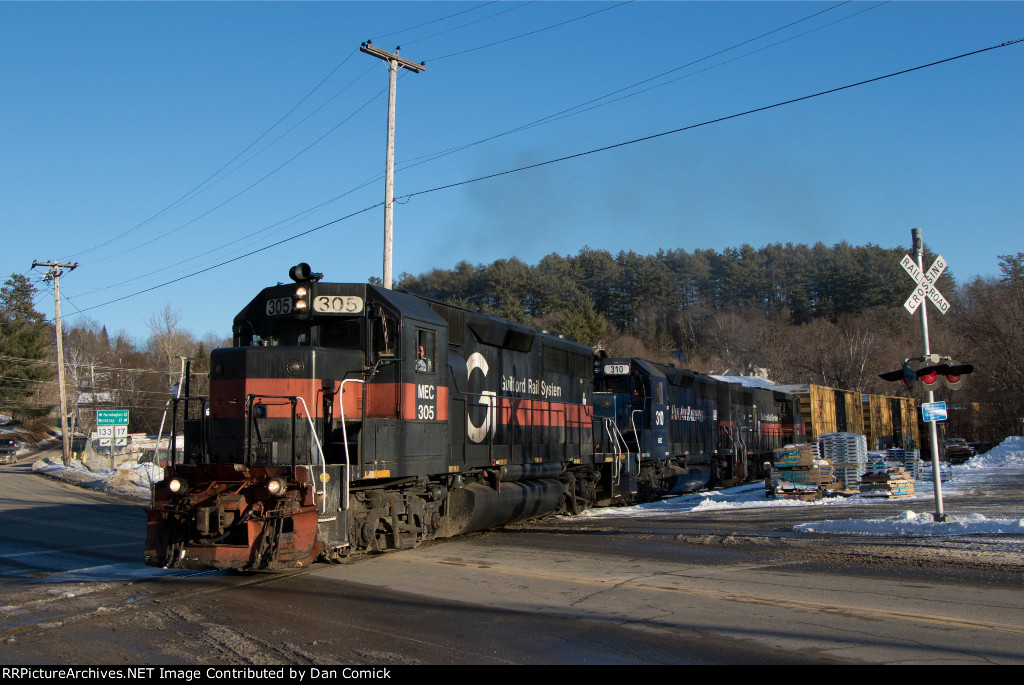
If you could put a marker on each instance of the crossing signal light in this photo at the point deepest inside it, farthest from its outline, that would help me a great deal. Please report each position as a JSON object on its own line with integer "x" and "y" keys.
{"x": 950, "y": 372}
{"x": 929, "y": 375}
{"x": 953, "y": 375}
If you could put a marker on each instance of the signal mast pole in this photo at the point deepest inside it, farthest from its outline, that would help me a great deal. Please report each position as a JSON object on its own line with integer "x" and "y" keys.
{"x": 55, "y": 273}
{"x": 940, "y": 514}
{"x": 394, "y": 64}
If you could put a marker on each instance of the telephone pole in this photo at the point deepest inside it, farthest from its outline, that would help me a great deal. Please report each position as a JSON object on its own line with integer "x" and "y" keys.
{"x": 394, "y": 64}
{"x": 55, "y": 273}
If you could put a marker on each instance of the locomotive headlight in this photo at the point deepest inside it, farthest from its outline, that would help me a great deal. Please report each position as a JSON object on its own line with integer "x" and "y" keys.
{"x": 276, "y": 486}
{"x": 301, "y": 293}
{"x": 177, "y": 485}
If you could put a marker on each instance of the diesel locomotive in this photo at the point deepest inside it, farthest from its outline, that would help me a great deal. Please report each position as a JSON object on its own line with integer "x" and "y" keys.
{"x": 349, "y": 418}
{"x": 682, "y": 431}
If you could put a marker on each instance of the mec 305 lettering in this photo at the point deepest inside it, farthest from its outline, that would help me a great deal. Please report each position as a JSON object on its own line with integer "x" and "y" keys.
{"x": 279, "y": 306}
{"x": 426, "y": 396}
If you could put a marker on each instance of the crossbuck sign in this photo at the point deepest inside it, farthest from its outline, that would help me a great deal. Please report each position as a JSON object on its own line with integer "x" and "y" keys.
{"x": 925, "y": 284}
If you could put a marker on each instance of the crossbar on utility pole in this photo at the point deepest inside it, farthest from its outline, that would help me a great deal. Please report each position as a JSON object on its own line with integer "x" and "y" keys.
{"x": 394, "y": 64}
{"x": 55, "y": 274}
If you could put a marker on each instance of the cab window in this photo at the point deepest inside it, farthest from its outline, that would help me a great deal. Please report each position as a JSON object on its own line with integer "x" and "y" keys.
{"x": 341, "y": 333}
{"x": 384, "y": 335}
{"x": 425, "y": 344}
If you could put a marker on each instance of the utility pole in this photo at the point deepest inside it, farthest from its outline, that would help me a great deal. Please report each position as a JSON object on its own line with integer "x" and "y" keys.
{"x": 55, "y": 273}
{"x": 394, "y": 64}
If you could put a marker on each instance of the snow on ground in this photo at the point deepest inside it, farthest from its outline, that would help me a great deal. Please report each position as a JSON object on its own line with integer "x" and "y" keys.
{"x": 133, "y": 481}
{"x": 1008, "y": 456}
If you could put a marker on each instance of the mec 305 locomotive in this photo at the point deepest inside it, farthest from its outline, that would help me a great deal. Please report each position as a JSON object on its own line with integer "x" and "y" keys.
{"x": 349, "y": 418}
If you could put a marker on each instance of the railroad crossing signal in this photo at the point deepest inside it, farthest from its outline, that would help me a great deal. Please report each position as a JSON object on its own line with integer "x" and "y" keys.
{"x": 925, "y": 284}
{"x": 936, "y": 367}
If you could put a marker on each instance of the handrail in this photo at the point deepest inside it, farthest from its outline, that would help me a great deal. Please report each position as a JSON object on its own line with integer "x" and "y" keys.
{"x": 312, "y": 431}
{"x": 323, "y": 459}
{"x": 344, "y": 435}
{"x": 619, "y": 442}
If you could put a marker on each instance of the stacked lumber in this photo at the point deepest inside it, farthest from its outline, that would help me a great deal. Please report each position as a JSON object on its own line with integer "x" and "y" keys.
{"x": 882, "y": 480}
{"x": 798, "y": 473}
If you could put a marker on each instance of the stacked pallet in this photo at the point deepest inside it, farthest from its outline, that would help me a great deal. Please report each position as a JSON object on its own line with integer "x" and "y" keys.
{"x": 910, "y": 460}
{"x": 798, "y": 473}
{"x": 848, "y": 453}
{"x": 882, "y": 480}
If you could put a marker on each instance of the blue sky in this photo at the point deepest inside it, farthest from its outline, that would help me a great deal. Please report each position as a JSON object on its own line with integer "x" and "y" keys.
{"x": 151, "y": 141}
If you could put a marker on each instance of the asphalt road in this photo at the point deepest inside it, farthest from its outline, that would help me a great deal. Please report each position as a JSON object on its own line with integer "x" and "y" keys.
{"x": 719, "y": 587}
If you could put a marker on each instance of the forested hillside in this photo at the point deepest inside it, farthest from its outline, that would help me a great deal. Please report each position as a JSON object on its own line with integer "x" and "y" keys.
{"x": 825, "y": 315}
{"x": 805, "y": 314}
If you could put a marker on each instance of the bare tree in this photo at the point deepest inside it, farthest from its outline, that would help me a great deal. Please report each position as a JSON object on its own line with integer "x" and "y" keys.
{"x": 169, "y": 341}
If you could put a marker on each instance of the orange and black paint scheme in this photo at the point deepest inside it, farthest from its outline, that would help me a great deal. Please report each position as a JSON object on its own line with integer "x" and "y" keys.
{"x": 349, "y": 418}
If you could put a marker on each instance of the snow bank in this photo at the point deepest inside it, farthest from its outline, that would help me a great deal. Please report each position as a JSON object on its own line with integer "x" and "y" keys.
{"x": 911, "y": 524}
{"x": 1007, "y": 456}
{"x": 131, "y": 480}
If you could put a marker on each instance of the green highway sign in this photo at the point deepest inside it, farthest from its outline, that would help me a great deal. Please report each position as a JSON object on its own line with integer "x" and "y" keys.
{"x": 112, "y": 417}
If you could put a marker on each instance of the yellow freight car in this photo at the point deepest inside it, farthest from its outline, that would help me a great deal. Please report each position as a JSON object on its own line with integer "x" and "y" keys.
{"x": 828, "y": 410}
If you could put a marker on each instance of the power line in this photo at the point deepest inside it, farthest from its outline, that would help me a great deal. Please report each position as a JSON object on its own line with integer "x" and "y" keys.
{"x": 575, "y": 156}
{"x": 191, "y": 193}
{"x": 206, "y": 183}
{"x": 99, "y": 367}
{"x": 251, "y": 185}
{"x": 450, "y": 16}
{"x": 709, "y": 121}
{"x": 530, "y": 33}
{"x": 239, "y": 257}
{"x": 593, "y": 103}
{"x": 576, "y": 109}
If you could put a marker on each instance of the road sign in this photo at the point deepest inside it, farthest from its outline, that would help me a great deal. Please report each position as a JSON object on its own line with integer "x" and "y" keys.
{"x": 112, "y": 417}
{"x": 933, "y": 411}
{"x": 925, "y": 284}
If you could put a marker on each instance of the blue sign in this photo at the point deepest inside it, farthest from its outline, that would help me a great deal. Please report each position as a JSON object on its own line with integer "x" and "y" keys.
{"x": 934, "y": 411}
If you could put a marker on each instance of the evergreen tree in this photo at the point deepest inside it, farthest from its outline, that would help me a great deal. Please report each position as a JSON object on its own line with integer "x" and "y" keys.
{"x": 26, "y": 347}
